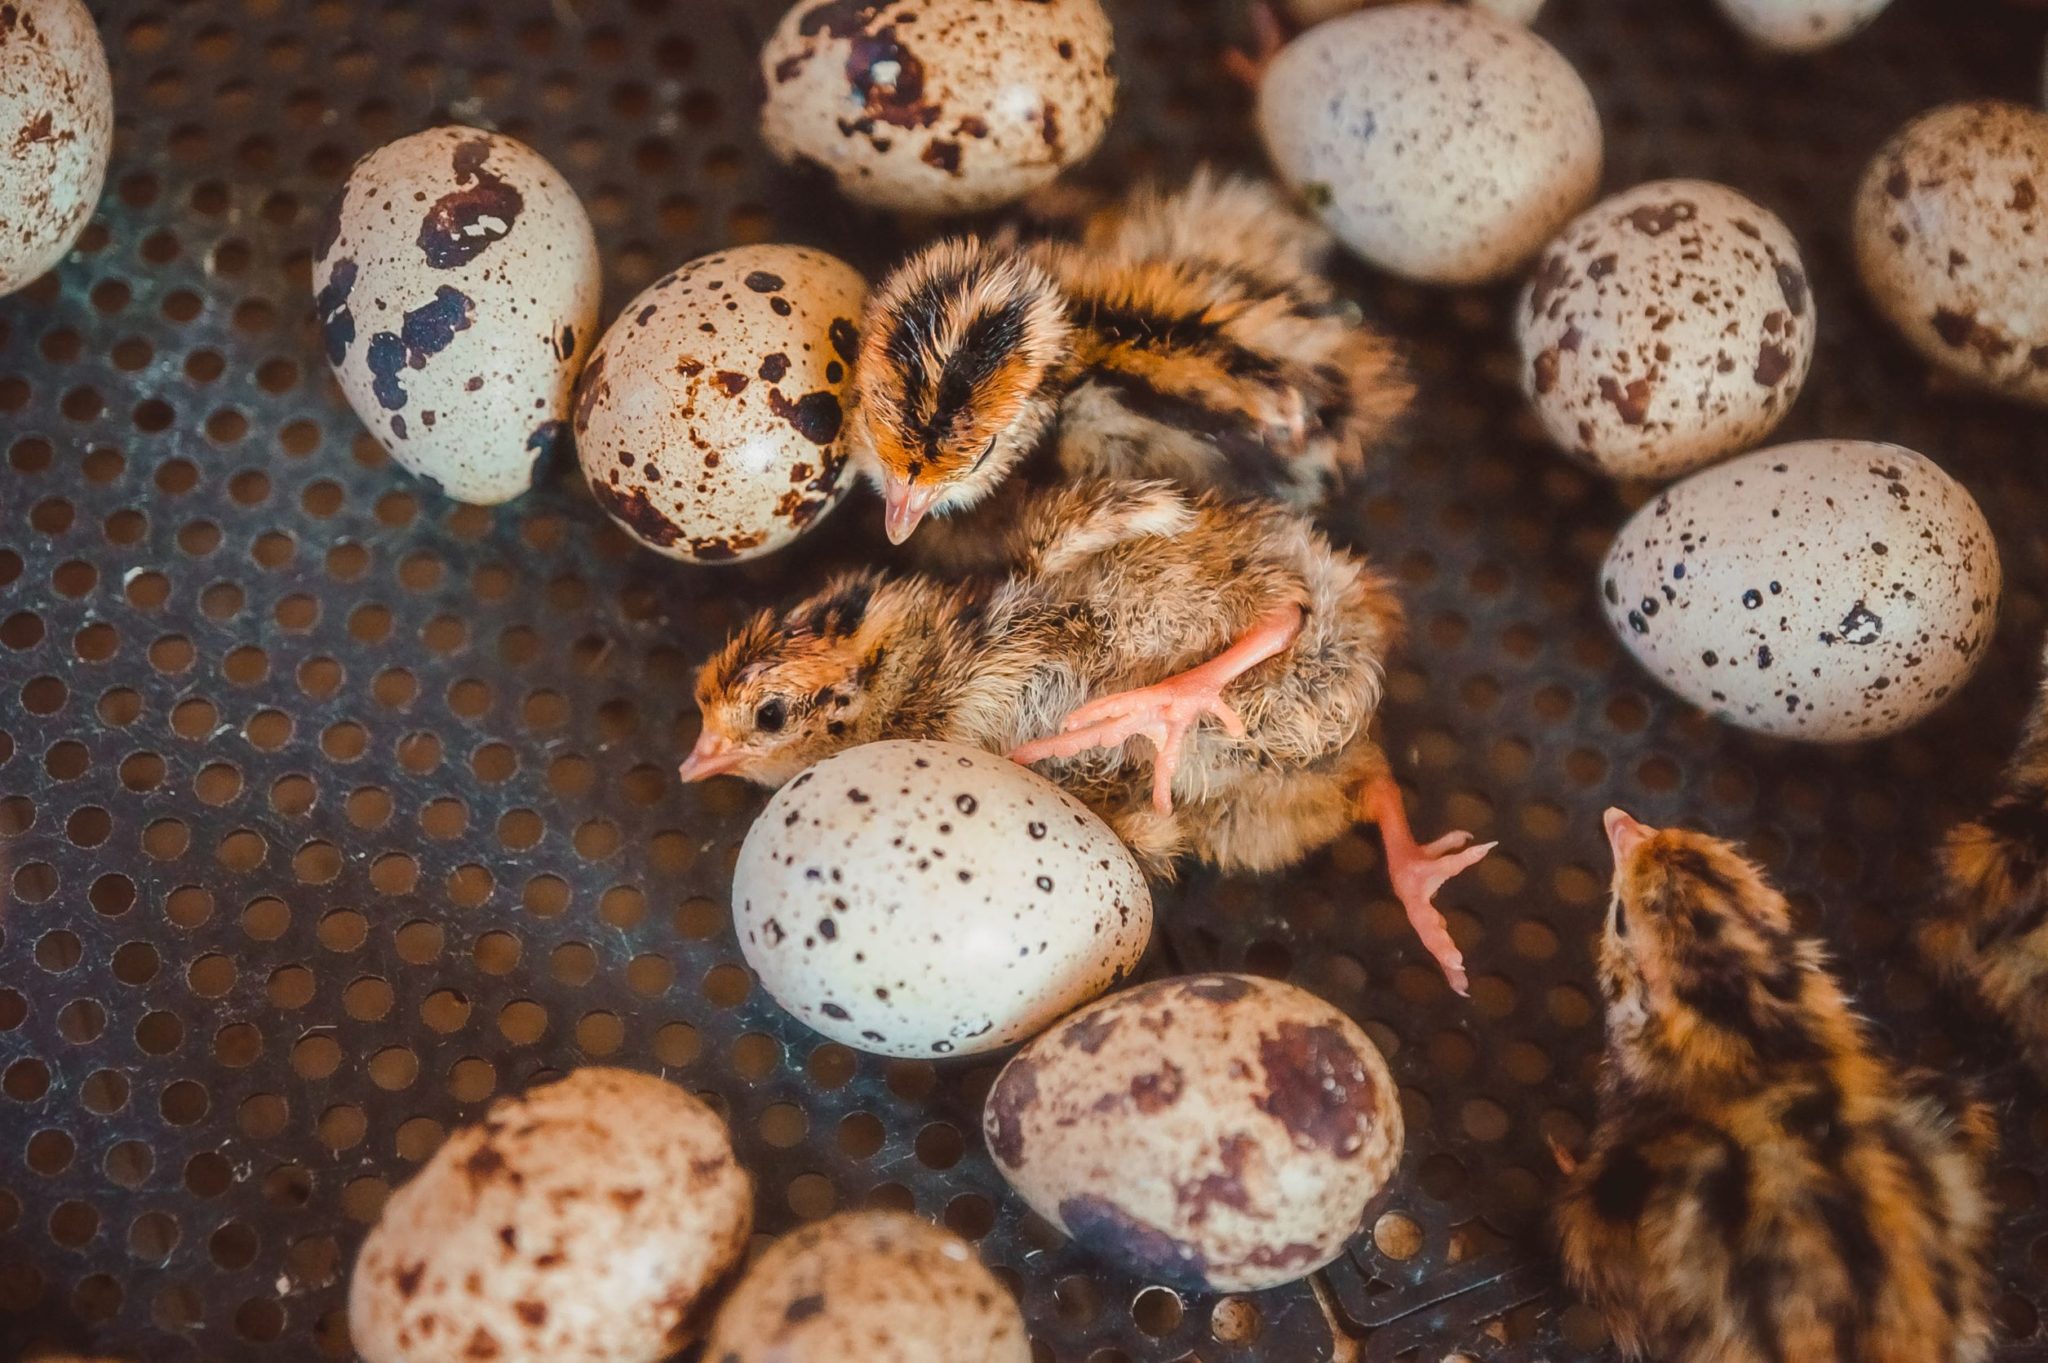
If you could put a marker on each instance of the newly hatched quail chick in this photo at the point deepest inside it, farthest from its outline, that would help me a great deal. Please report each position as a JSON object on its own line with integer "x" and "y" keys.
{"x": 1189, "y": 336}
{"x": 1762, "y": 1186}
{"x": 1233, "y": 637}
{"x": 1990, "y": 930}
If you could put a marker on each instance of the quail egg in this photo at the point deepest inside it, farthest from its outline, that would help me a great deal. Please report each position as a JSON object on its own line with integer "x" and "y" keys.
{"x": 456, "y": 282}
{"x": 1669, "y": 326}
{"x": 879, "y": 1287}
{"x": 1951, "y": 235}
{"x": 1214, "y": 1133}
{"x": 1830, "y": 590}
{"x": 57, "y": 113}
{"x": 1439, "y": 142}
{"x": 939, "y": 106}
{"x": 1801, "y": 25}
{"x": 926, "y": 899}
{"x": 584, "y": 1221}
{"x": 709, "y": 422}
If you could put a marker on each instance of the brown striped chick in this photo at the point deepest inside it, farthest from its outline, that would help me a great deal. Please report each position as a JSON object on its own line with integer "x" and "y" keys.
{"x": 1989, "y": 934}
{"x": 1233, "y": 638}
{"x": 1189, "y": 336}
{"x": 1763, "y": 1187}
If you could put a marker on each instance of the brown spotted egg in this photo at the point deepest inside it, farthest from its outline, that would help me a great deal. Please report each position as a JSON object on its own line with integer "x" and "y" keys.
{"x": 1306, "y": 12}
{"x": 1214, "y": 1133}
{"x": 709, "y": 421}
{"x": 585, "y": 1221}
{"x": 1801, "y": 25}
{"x": 1669, "y": 326}
{"x": 456, "y": 282}
{"x": 1437, "y": 141}
{"x": 1951, "y": 235}
{"x": 57, "y": 116}
{"x": 939, "y": 106}
{"x": 1830, "y": 590}
{"x": 926, "y": 899}
{"x": 876, "y": 1287}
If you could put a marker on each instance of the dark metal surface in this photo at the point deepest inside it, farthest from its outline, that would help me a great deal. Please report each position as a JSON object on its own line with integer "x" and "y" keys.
{"x": 333, "y": 809}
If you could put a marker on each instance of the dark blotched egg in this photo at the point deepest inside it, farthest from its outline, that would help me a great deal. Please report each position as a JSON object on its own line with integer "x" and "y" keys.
{"x": 456, "y": 281}
{"x": 1217, "y": 1133}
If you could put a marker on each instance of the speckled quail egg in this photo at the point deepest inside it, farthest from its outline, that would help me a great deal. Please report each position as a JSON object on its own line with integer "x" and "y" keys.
{"x": 1669, "y": 325}
{"x": 1439, "y": 142}
{"x": 709, "y": 422}
{"x": 939, "y": 106}
{"x": 1306, "y": 12}
{"x": 456, "y": 281}
{"x": 1801, "y": 25}
{"x": 57, "y": 114}
{"x": 926, "y": 899}
{"x": 1830, "y": 590}
{"x": 1213, "y": 1133}
{"x": 584, "y": 1221}
{"x": 1951, "y": 235}
{"x": 877, "y": 1287}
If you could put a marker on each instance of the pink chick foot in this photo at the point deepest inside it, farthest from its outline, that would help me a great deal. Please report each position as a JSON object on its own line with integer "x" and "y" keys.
{"x": 1269, "y": 35}
{"x": 1418, "y": 872}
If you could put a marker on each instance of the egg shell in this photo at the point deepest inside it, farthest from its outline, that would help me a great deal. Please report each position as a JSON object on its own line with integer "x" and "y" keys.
{"x": 877, "y": 1287}
{"x": 926, "y": 899}
{"x": 584, "y": 1221}
{"x": 1306, "y": 12}
{"x": 1437, "y": 141}
{"x": 1829, "y": 590}
{"x": 709, "y": 421}
{"x": 1669, "y": 326}
{"x": 1801, "y": 25}
{"x": 456, "y": 281}
{"x": 57, "y": 119}
{"x": 1213, "y": 1132}
{"x": 1951, "y": 236}
{"x": 939, "y": 106}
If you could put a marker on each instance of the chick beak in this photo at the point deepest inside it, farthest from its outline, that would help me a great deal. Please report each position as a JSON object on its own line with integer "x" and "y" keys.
{"x": 905, "y": 507}
{"x": 714, "y": 755}
{"x": 1625, "y": 833}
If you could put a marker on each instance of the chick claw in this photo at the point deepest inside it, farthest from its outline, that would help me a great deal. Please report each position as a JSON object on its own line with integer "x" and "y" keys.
{"x": 1164, "y": 715}
{"x": 1418, "y": 872}
{"x": 1269, "y": 35}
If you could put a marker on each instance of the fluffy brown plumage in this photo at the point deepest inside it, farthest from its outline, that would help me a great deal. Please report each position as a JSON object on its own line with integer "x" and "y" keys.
{"x": 1763, "y": 1187}
{"x": 1189, "y": 336}
{"x": 1117, "y": 586}
{"x": 1989, "y": 934}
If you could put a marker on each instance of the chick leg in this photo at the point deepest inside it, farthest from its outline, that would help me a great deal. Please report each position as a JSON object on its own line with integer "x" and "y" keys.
{"x": 1269, "y": 35}
{"x": 1165, "y": 713}
{"x": 1418, "y": 872}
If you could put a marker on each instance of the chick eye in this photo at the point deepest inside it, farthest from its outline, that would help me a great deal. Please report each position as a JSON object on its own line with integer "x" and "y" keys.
{"x": 772, "y": 715}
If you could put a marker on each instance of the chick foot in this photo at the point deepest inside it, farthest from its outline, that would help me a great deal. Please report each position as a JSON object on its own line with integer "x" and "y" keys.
{"x": 1269, "y": 35}
{"x": 1418, "y": 872}
{"x": 1165, "y": 713}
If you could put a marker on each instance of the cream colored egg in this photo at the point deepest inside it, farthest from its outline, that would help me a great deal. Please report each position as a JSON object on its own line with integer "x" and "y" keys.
{"x": 877, "y": 1287}
{"x": 1216, "y": 1133}
{"x": 57, "y": 119}
{"x": 925, "y": 899}
{"x": 584, "y": 1221}
{"x": 1306, "y": 12}
{"x": 939, "y": 106}
{"x": 1951, "y": 236}
{"x": 1801, "y": 25}
{"x": 1437, "y": 141}
{"x": 456, "y": 282}
{"x": 709, "y": 422}
{"x": 1830, "y": 590}
{"x": 1669, "y": 326}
